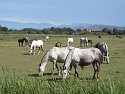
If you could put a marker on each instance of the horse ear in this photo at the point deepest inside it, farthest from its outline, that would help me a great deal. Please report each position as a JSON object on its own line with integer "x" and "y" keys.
{"x": 65, "y": 68}
{"x": 39, "y": 64}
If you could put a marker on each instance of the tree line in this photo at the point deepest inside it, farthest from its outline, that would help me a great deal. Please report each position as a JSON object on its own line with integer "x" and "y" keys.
{"x": 54, "y": 30}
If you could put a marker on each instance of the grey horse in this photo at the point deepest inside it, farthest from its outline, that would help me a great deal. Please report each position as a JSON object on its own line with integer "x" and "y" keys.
{"x": 83, "y": 57}
{"x": 83, "y": 40}
{"x": 54, "y": 54}
{"x": 102, "y": 46}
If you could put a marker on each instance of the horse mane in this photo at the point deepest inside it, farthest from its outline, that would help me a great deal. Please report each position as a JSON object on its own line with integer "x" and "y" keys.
{"x": 45, "y": 57}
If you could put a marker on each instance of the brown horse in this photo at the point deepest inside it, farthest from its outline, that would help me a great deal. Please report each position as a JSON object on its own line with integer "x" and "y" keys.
{"x": 58, "y": 44}
{"x": 31, "y": 39}
{"x": 21, "y": 41}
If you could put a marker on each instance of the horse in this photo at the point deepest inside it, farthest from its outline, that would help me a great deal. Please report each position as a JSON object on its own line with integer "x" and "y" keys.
{"x": 99, "y": 37}
{"x": 83, "y": 57}
{"x": 21, "y": 41}
{"x": 55, "y": 55}
{"x": 58, "y": 44}
{"x": 83, "y": 40}
{"x": 102, "y": 46}
{"x": 90, "y": 41}
{"x": 31, "y": 39}
{"x": 36, "y": 44}
{"x": 28, "y": 41}
{"x": 69, "y": 41}
{"x": 47, "y": 38}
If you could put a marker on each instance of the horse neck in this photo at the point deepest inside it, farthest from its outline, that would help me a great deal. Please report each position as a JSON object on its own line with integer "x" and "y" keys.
{"x": 106, "y": 53}
{"x": 29, "y": 42}
{"x": 68, "y": 60}
{"x": 45, "y": 59}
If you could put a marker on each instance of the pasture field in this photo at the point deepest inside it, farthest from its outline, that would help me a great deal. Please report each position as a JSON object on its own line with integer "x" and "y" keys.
{"x": 19, "y": 70}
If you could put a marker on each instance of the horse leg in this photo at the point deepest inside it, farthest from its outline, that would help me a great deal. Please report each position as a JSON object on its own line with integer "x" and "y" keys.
{"x": 42, "y": 48}
{"x": 54, "y": 65}
{"x": 34, "y": 50}
{"x": 19, "y": 43}
{"x": 39, "y": 51}
{"x": 75, "y": 67}
{"x": 96, "y": 67}
{"x": 76, "y": 73}
{"x": 80, "y": 44}
{"x": 57, "y": 69}
{"x": 70, "y": 68}
{"x": 22, "y": 44}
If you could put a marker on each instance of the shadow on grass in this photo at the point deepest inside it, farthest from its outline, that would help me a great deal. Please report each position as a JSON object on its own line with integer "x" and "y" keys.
{"x": 44, "y": 74}
{"x": 26, "y": 54}
{"x": 50, "y": 77}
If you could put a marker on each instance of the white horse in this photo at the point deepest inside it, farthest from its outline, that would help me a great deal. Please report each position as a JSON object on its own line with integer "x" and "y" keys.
{"x": 47, "y": 38}
{"x": 69, "y": 41}
{"x": 83, "y": 57}
{"x": 83, "y": 40}
{"x": 102, "y": 46}
{"x": 55, "y": 54}
{"x": 36, "y": 44}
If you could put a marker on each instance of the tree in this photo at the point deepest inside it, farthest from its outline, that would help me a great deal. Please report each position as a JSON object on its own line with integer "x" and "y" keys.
{"x": 115, "y": 31}
{"x": 4, "y": 29}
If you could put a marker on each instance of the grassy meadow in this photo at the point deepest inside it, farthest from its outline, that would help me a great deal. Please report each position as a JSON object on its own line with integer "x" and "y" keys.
{"x": 19, "y": 70}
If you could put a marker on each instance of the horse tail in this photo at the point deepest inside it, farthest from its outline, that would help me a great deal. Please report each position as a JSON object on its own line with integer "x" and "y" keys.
{"x": 106, "y": 48}
{"x": 42, "y": 48}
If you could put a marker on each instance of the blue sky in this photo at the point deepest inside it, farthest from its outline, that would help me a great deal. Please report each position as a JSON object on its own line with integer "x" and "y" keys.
{"x": 57, "y": 12}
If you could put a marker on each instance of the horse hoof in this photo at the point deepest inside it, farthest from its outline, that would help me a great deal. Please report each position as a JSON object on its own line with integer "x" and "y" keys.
{"x": 97, "y": 79}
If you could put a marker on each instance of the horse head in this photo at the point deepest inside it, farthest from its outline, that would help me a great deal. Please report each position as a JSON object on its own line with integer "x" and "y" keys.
{"x": 41, "y": 69}
{"x": 64, "y": 72}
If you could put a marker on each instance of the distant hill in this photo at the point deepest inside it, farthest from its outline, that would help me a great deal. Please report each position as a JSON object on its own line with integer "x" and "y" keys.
{"x": 91, "y": 26}
{"x": 17, "y": 25}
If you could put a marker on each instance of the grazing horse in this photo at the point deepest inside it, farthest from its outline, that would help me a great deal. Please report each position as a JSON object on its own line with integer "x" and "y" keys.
{"x": 90, "y": 41}
{"x": 58, "y": 44}
{"x": 102, "y": 46}
{"x": 69, "y": 41}
{"x": 83, "y": 57}
{"x": 21, "y": 41}
{"x": 54, "y": 54}
{"x": 36, "y": 44}
{"x": 83, "y": 40}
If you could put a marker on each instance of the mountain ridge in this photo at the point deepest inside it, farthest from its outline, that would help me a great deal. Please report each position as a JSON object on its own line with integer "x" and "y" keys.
{"x": 75, "y": 26}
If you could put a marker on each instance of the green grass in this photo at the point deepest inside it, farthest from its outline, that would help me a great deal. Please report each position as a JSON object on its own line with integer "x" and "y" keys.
{"x": 18, "y": 69}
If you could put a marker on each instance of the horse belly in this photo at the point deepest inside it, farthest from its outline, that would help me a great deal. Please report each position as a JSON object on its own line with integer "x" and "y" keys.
{"x": 61, "y": 59}
{"x": 85, "y": 62}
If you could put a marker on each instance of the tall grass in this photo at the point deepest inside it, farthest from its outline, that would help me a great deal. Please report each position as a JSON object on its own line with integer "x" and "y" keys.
{"x": 12, "y": 84}
{"x": 15, "y": 85}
